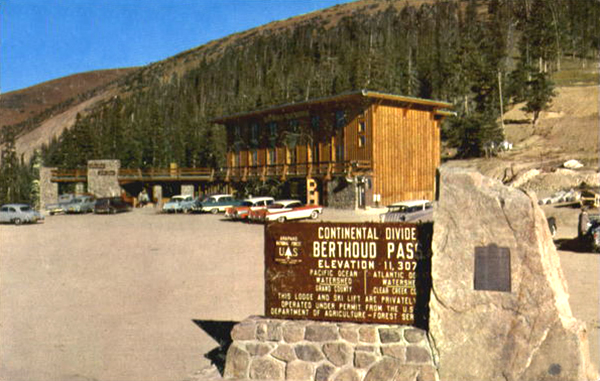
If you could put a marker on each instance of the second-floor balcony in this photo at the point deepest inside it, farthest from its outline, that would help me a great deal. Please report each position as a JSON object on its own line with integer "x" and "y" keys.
{"x": 239, "y": 173}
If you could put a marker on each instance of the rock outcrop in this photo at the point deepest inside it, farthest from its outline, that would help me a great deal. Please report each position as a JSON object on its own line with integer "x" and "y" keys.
{"x": 524, "y": 333}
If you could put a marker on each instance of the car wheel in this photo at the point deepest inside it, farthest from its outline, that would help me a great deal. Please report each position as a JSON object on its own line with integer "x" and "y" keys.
{"x": 281, "y": 219}
{"x": 214, "y": 210}
{"x": 314, "y": 215}
{"x": 17, "y": 221}
{"x": 51, "y": 213}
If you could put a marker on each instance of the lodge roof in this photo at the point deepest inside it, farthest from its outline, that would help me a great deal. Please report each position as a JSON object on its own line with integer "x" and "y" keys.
{"x": 289, "y": 107}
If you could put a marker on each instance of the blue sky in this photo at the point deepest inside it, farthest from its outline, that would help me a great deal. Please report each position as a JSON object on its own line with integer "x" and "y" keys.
{"x": 45, "y": 39}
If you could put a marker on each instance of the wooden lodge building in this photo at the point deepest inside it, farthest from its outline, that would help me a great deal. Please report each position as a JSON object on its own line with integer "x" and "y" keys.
{"x": 352, "y": 150}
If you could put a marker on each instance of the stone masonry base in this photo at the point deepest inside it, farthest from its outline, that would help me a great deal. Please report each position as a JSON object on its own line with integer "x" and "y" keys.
{"x": 272, "y": 349}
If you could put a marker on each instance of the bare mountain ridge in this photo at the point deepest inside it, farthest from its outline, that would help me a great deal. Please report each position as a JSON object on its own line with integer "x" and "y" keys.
{"x": 20, "y": 105}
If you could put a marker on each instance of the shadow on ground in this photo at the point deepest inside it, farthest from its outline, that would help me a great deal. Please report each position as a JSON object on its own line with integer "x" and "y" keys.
{"x": 220, "y": 331}
{"x": 575, "y": 245}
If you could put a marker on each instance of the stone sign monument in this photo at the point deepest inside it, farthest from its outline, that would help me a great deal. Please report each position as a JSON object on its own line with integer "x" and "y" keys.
{"x": 103, "y": 178}
{"x": 343, "y": 302}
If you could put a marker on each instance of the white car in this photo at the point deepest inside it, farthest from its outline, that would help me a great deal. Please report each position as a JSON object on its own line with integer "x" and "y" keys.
{"x": 216, "y": 203}
{"x": 179, "y": 203}
{"x": 18, "y": 214}
{"x": 284, "y": 210}
{"x": 406, "y": 211}
{"x": 81, "y": 204}
{"x": 254, "y": 203}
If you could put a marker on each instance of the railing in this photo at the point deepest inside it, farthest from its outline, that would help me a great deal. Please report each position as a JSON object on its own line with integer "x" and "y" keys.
{"x": 69, "y": 175}
{"x": 242, "y": 173}
{"x": 322, "y": 169}
{"x": 166, "y": 173}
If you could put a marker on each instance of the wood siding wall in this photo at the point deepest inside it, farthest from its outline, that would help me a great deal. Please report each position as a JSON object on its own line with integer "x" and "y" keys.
{"x": 406, "y": 153}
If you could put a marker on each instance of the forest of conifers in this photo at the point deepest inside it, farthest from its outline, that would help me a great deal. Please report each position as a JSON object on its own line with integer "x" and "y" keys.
{"x": 456, "y": 51}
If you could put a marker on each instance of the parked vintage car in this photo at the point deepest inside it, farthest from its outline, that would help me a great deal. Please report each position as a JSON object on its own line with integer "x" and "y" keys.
{"x": 284, "y": 210}
{"x": 590, "y": 231}
{"x": 593, "y": 237}
{"x": 179, "y": 204}
{"x": 81, "y": 204}
{"x": 408, "y": 211}
{"x": 216, "y": 203}
{"x": 60, "y": 205}
{"x": 253, "y": 203}
{"x": 18, "y": 214}
{"x": 590, "y": 198}
{"x": 111, "y": 205}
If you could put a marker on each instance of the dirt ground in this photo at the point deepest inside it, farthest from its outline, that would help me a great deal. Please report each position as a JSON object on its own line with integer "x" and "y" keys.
{"x": 121, "y": 298}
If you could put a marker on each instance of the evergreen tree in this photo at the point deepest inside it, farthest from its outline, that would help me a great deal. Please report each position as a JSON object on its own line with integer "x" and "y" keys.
{"x": 540, "y": 91}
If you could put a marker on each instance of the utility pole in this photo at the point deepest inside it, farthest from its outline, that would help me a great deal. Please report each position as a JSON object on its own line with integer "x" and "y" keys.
{"x": 501, "y": 102}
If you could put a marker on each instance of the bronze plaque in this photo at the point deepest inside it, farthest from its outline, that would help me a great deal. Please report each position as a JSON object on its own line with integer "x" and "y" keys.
{"x": 492, "y": 268}
{"x": 355, "y": 272}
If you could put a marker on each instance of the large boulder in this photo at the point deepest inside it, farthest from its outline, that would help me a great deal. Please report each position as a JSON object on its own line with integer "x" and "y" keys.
{"x": 522, "y": 329}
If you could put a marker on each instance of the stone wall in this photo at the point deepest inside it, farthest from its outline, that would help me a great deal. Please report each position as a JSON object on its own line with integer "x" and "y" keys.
{"x": 276, "y": 349}
{"x": 341, "y": 194}
{"x": 102, "y": 177}
{"x": 187, "y": 189}
{"x": 48, "y": 189}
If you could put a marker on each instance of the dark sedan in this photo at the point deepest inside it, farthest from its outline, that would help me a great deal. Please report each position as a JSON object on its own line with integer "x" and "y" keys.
{"x": 111, "y": 205}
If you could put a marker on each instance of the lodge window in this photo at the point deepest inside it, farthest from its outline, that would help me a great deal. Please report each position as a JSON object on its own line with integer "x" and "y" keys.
{"x": 272, "y": 156}
{"x": 315, "y": 153}
{"x": 254, "y": 133}
{"x": 362, "y": 141}
{"x": 273, "y": 129}
{"x": 294, "y": 125}
{"x": 340, "y": 119}
{"x": 237, "y": 132}
{"x": 315, "y": 122}
{"x": 254, "y": 157}
{"x": 362, "y": 126}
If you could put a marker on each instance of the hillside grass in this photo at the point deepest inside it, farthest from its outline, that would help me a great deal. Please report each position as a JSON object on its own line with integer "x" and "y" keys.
{"x": 577, "y": 72}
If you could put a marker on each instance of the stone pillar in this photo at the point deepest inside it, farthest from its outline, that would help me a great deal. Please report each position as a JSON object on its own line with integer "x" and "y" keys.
{"x": 187, "y": 190}
{"x": 342, "y": 194}
{"x": 48, "y": 189}
{"x": 103, "y": 178}
{"x": 157, "y": 194}
{"x": 499, "y": 307}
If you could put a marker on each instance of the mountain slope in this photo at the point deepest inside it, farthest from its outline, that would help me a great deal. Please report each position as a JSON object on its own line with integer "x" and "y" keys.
{"x": 20, "y": 105}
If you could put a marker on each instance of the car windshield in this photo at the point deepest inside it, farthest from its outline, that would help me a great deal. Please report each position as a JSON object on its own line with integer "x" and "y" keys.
{"x": 276, "y": 206}
{"x": 247, "y": 203}
{"x": 25, "y": 209}
{"x": 399, "y": 209}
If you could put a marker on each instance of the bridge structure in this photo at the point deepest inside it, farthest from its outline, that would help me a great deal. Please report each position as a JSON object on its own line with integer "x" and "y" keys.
{"x": 105, "y": 178}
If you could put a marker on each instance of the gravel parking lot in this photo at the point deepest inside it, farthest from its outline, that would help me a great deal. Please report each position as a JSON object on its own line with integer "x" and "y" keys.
{"x": 115, "y": 297}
